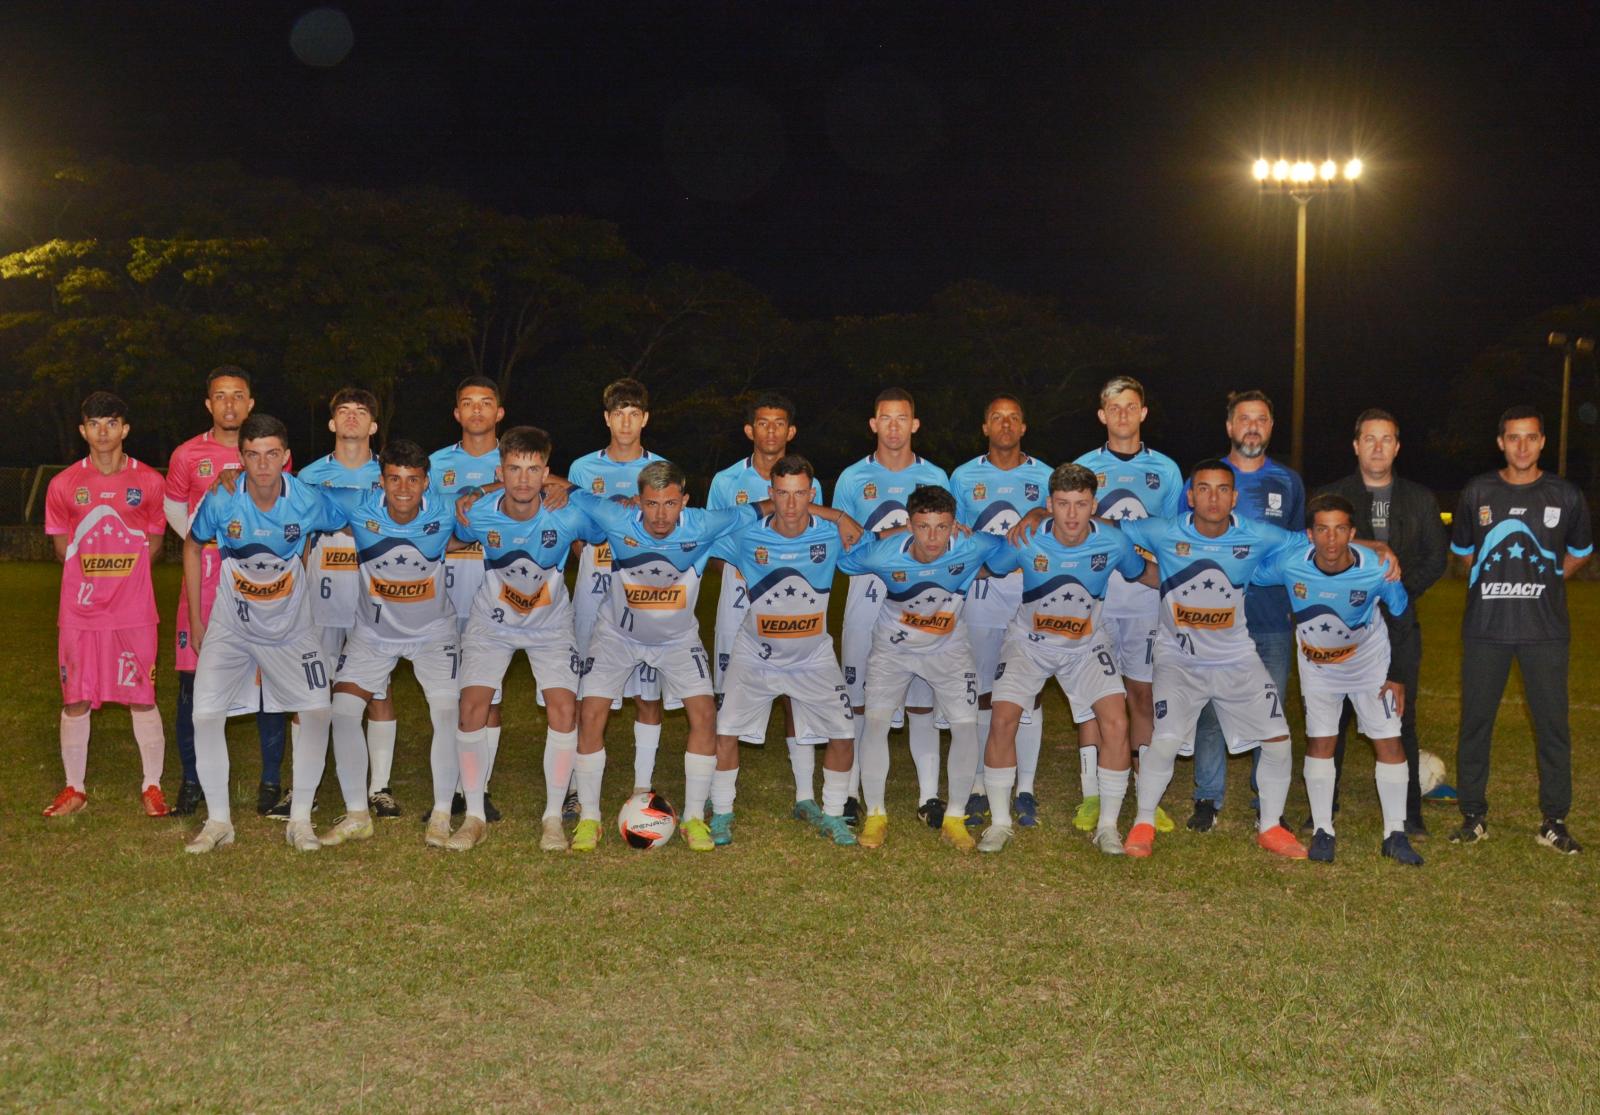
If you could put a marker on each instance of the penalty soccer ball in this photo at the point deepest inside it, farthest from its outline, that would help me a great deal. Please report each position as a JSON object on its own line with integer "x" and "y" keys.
{"x": 647, "y": 820}
{"x": 1430, "y": 771}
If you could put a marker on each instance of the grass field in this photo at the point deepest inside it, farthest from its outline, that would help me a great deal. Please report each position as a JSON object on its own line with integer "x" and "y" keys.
{"x": 782, "y": 972}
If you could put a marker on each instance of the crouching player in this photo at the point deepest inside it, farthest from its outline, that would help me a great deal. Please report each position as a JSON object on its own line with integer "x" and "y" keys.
{"x": 1056, "y": 633}
{"x": 1334, "y": 590}
{"x": 261, "y": 621}
{"x": 522, "y": 604}
{"x": 104, "y": 516}
{"x": 918, "y": 634}
{"x": 783, "y": 648}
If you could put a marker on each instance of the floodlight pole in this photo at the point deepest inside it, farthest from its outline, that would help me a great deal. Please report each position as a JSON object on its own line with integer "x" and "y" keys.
{"x": 1568, "y": 346}
{"x": 1298, "y": 428}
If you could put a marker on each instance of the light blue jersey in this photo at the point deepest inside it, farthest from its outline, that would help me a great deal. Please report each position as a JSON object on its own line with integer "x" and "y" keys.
{"x": 1343, "y": 639}
{"x": 735, "y": 486}
{"x": 992, "y": 500}
{"x": 524, "y": 594}
{"x": 597, "y": 474}
{"x": 1064, "y": 587}
{"x": 875, "y": 497}
{"x": 922, "y": 600}
{"x": 403, "y": 597}
{"x": 1272, "y": 494}
{"x": 788, "y": 582}
{"x": 333, "y": 556}
{"x": 449, "y": 470}
{"x": 1142, "y": 486}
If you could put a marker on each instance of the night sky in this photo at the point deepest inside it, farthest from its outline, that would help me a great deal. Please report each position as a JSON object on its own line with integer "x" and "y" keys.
{"x": 857, "y": 163}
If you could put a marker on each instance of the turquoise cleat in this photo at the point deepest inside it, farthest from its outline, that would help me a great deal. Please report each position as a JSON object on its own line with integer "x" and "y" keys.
{"x": 722, "y": 829}
{"x": 837, "y": 830}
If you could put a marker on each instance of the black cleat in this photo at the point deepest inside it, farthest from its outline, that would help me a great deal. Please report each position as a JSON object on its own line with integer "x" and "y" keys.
{"x": 458, "y": 805}
{"x": 852, "y": 812}
{"x": 383, "y": 804}
{"x": 267, "y": 795}
{"x": 570, "y": 809}
{"x": 189, "y": 799}
{"x": 1321, "y": 848}
{"x": 932, "y": 811}
{"x": 1474, "y": 827}
{"x": 1204, "y": 817}
{"x": 1553, "y": 834}
{"x": 1399, "y": 849}
{"x": 490, "y": 813}
{"x": 1415, "y": 827}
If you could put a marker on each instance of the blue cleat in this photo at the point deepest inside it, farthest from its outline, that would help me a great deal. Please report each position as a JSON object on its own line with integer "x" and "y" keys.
{"x": 722, "y": 829}
{"x": 1399, "y": 849}
{"x": 1026, "y": 808}
{"x": 1321, "y": 848}
{"x": 977, "y": 810}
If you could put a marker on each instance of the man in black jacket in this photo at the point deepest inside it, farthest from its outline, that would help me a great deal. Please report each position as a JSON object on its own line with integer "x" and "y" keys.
{"x": 1405, "y": 515}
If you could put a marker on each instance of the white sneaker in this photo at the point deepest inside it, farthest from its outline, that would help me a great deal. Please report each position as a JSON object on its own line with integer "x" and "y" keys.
{"x": 554, "y": 838}
{"x": 995, "y": 838}
{"x": 352, "y": 826}
{"x": 212, "y": 835}
{"x": 437, "y": 834}
{"x": 473, "y": 831}
{"x": 300, "y": 836}
{"x": 1108, "y": 841}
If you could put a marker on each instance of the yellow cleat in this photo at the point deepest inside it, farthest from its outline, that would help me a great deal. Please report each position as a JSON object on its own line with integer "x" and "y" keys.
{"x": 697, "y": 834}
{"x": 954, "y": 832}
{"x": 1163, "y": 822}
{"x": 586, "y": 836}
{"x": 874, "y": 830}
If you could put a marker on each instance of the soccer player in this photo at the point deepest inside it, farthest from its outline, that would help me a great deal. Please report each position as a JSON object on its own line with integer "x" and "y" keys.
{"x": 404, "y": 611}
{"x": 1267, "y": 492}
{"x": 873, "y": 492}
{"x": 1335, "y": 589}
{"x": 918, "y": 634}
{"x": 469, "y": 463}
{"x": 770, "y": 427}
{"x": 522, "y": 605}
{"x": 1204, "y": 651}
{"x": 1525, "y": 532}
{"x": 104, "y": 517}
{"x": 194, "y": 467}
{"x": 992, "y": 493}
{"x": 786, "y": 563}
{"x": 261, "y": 623}
{"x": 1056, "y": 632}
{"x": 613, "y": 473}
{"x": 1134, "y": 482}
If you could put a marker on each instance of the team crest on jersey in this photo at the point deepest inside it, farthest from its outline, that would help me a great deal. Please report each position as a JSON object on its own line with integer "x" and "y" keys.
{"x": 136, "y": 497}
{"x": 1181, "y": 549}
{"x": 722, "y": 662}
{"x": 980, "y": 491}
{"x": 627, "y": 541}
{"x": 955, "y": 570}
{"x": 1000, "y": 671}
{"x": 1485, "y": 516}
{"x": 741, "y": 499}
{"x": 204, "y": 468}
{"x": 849, "y": 675}
{"x": 1100, "y": 480}
{"x": 1161, "y": 710}
{"x": 291, "y": 533}
{"x": 494, "y": 538}
{"x": 819, "y": 552}
{"x": 81, "y": 497}
{"x": 1358, "y": 597}
{"x": 1030, "y": 492}
{"x": 449, "y": 478}
{"x": 1552, "y": 516}
{"x": 1275, "y": 500}
{"x": 1097, "y": 562}
{"x": 598, "y": 487}
{"x": 431, "y": 528}
{"x": 688, "y": 547}
{"x": 1299, "y": 590}
{"x": 547, "y": 538}
{"x": 869, "y": 492}
{"x": 1152, "y": 480}
{"x": 372, "y": 526}
{"x": 898, "y": 575}
{"x": 1041, "y": 564}
{"x": 1241, "y": 552}
{"x": 759, "y": 556}
{"x": 235, "y": 528}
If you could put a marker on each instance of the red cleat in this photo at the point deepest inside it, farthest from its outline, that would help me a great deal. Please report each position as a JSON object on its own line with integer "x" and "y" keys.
{"x": 1281, "y": 842}
{"x": 67, "y": 801}
{"x": 154, "y": 804}
{"x": 1141, "y": 841}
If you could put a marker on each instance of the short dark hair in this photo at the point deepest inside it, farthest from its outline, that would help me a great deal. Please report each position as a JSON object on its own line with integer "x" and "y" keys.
{"x": 1211, "y": 464}
{"x": 359, "y": 396}
{"x": 1376, "y": 414}
{"x": 662, "y": 475}
{"x": 477, "y": 381}
{"x": 226, "y": 371}
{"x": 1003, "y": 397}
{"x": 1073, "y": 477}
{"x": 625, "y": 393}
{"x": 1252, "y": 396}
{"x": 793, "y": 465}
{"x": 1330, "y": 501}
{"x": 894, "y": 395}
{"x": 525, "y": 441}
{"x": 930, "y": 498}
{"x": 258, "y": 426}
{"x": 770, "y": 400}
{"x": 1517, "y": 413}
{"x": 403, "y": 453}
{"x": 103, "y": 404}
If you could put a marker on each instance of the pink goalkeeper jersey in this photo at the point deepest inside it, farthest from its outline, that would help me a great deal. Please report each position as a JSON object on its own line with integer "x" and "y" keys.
{"x": 108, "y": 521}
{"x": 195, "y": 465}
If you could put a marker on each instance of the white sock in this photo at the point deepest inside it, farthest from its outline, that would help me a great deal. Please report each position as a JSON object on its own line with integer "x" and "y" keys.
{"x": 350, "y": 747}
{"x": 309, "y": 743}
{"x": 491, "y": 749}
{"x": 588, "y": 770}
{"x": 380, "y": 752}
{"x": 860, "y": 724}
{"x": 75, "y": 749}
{"x": 646, "y": 740}
{"x": 962, "y": 761}
{"x": 835, "y": 790}
{"x": 1113, "y": 788}
{"x": 997, "y": 783}
{"x": 923, "y": 739}
{"x": 873, "y": 757}
{"x": 560, "y": 748}
{"x": 1088, "y": 768}
{"x": 152, "y": 741}
{"x": 724, "y": 785}
{"x": 472, "y": 753}
{"x": 442, "y": 753}
{"x": 1391, "y": 778}
{"x": 985, "y": 715}
{"x": 697, "y": 772}
{"x": 1029, "y": 739}
{"x": 1273, "y": 775}
{"x": 211, "y": 765}
{"x": 1155, "y": 774}
{"x": 1319, "y": 775}
{"x": 803, "y": 761}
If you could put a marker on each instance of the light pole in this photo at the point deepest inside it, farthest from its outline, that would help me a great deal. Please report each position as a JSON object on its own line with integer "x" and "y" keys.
{"x": 1302, "y": 180}
{"x": 1568, "y": 345}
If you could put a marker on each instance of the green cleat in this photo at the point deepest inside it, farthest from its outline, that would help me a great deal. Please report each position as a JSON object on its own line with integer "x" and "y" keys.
{"x": 586, "y": 836}
{"x": 837, "y": 830}
{"x": 809, "y": 812}
{"x": 722, "y": 829}
{"x": 1163, "y": 822}
{"x": 697, "y": 834}
{"x": 1088, "y": 815}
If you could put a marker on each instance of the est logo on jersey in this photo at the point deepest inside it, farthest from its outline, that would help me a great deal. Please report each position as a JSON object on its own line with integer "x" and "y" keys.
{"x": 789, "y": 627}
{"x": 653, "y": 598}
{"x": 107, "y": 565}
{"x": 939, "y": 623}
{"x": 1068, "y": 627}
{"x": 402, "y": 592}
{"x": 264, "y": 590}
{"x": 521, "y": 602}
{"x": 1214, "y": 619}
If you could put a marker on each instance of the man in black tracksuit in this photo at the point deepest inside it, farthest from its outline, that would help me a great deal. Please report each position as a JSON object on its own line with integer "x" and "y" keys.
{"x": 1405, "y": 515}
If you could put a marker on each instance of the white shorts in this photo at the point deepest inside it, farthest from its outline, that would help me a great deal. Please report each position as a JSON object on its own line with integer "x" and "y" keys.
{"x": 855, "y": 648}
{"x": 1085, "y": 674}
{"x": 1374, "y": 713}
{"x": 815, "y": 688}
{"x": 485, "y": 658}
{"x": 987, "y": 646}
{"x": 1133, "y": 639}
{"x": 644, "y": 684}
{"x": 293, "y": 674}
{"x": 947, "y": 670}
{"x": 613, "y": 661}
{"x": 1248, "y": 704}
{"x": 333, "y": 640}
{"x": 436, "y": 662}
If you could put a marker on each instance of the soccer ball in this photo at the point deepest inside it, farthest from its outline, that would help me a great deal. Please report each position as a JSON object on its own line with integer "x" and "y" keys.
{"x": 647, "y": 820}
{"x": 1430, "y": 771}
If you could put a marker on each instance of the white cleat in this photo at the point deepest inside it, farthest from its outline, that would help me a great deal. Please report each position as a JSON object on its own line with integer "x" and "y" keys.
{"x": 212, "y": 835}
{"x": 300, "y": 836}
{"x": 995, "y": 838}
{"x": 437, "y": 834}
{"x": 1108, "y": 841}
{"x": 352, "y": 826}
{"x": 554, "y": 837}
{"x": 473, "y": 831}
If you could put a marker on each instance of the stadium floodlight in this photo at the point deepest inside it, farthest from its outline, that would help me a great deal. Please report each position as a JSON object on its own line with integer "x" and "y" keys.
{"x": 1568, "y": 345}
{"x": 1302, "y": 180}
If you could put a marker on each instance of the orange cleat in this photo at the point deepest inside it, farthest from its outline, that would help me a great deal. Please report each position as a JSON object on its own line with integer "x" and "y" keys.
{"x": 67, "y": 801}
{"x": 1281, "y": 842}
{"x": 1141, "y": 841}
{"x": 154, "y": 804}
